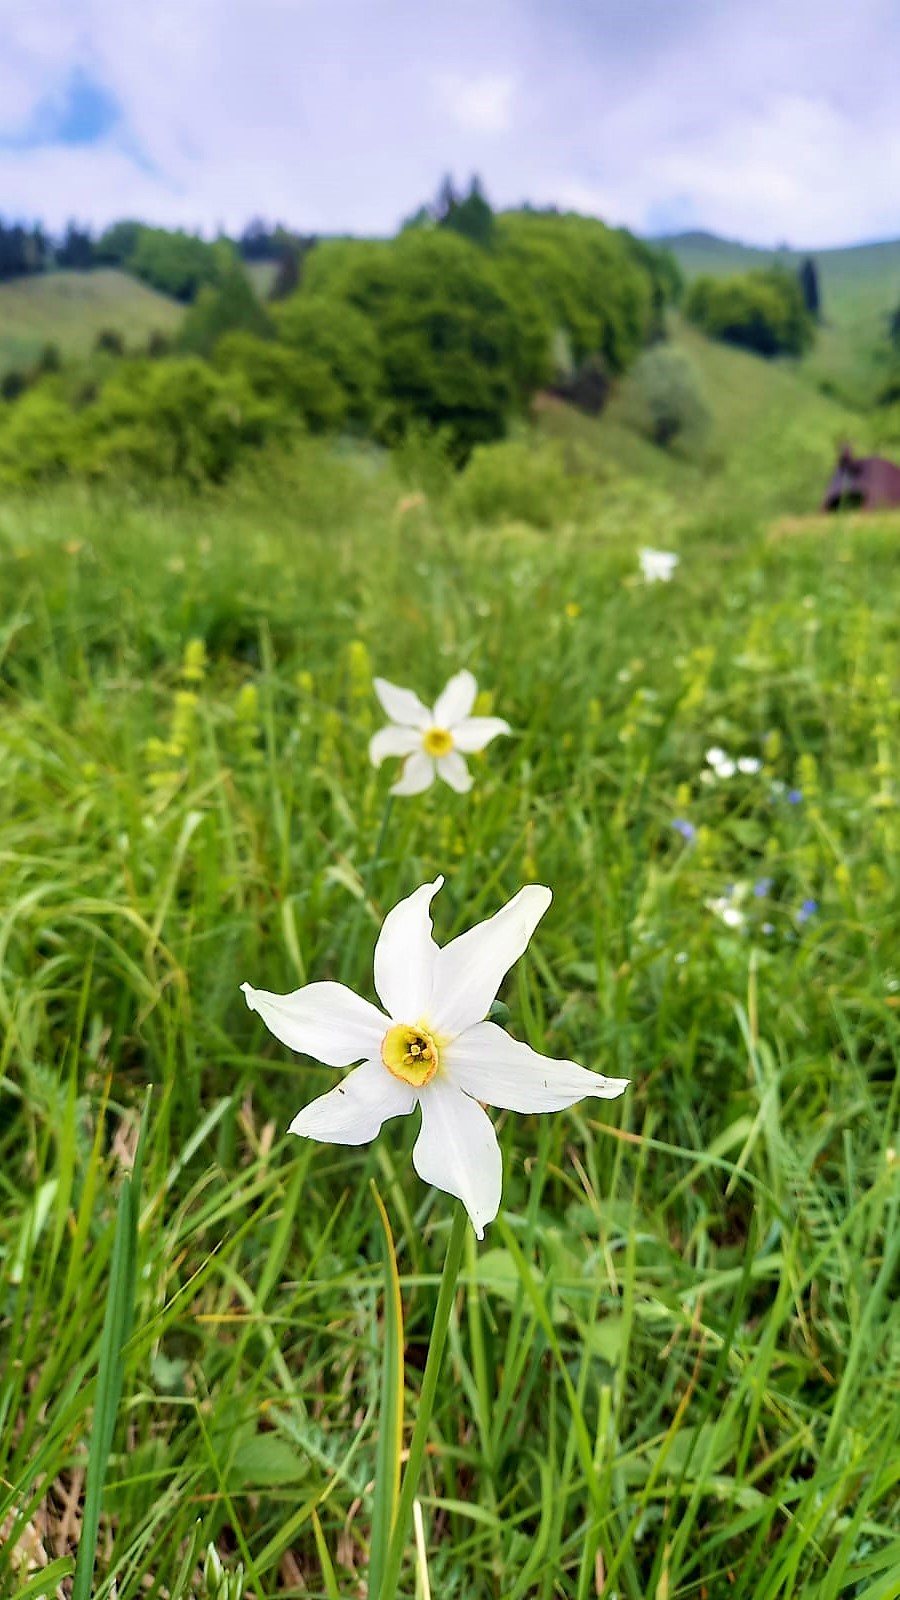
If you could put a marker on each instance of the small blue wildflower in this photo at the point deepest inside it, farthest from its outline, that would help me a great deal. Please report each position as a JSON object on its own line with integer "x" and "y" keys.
{"x": 795, "y": 796}
{"x": 761, "y": 889}
{"x": 768, "y": 927}
{"x": 807, "y": 910}
{"x": 685, "y": 828}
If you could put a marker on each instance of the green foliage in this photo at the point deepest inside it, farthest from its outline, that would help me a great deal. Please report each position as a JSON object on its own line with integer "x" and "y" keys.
{"x": 169, "y": 420}
{"x": 515, "y": 481}
{"x": 335, "y": 335}
{"x": 226, "y": 306}
{"x": 118, "y": 243}
{"x": 666, "y": 399}
{"x": 456, "y": 351}
{"x": 759, "y": 311}
{"x": 40, "y": 436}
{"x": 175, "y": 420}
{"x": 175, "y": 263}
{"x": 299, "y": 383}
{"x": 586, "y": 278}
{"x": 469, "y": 215}
{"x": 808, "y": 278}
{"x": 109, "y": 342}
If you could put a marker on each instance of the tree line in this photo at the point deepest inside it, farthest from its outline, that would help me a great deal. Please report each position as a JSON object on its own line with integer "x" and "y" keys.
{"x": 450, "y": 327}
{"x": 175, "y": 261}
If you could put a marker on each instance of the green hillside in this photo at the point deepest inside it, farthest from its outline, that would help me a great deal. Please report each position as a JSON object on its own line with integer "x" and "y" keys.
{"x": 771, "y": 448}
{"x": 69, "y": 309}
{"x": 860, "y": 287}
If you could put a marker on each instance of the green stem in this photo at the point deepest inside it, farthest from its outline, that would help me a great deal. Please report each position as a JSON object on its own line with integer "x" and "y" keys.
{"x": 446, "y": 1296}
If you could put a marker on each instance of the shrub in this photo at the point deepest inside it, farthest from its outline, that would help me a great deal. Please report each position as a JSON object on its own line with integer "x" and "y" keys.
{"x": 665, "y": 399}
{"x": 176, "y": 419}
{"x": 39, "y": 437}
{"x": 110, "y": 342}
{"x": 758, "y": 311}
{"x": 294, "y": 380}
{"x": 515, "y": 480}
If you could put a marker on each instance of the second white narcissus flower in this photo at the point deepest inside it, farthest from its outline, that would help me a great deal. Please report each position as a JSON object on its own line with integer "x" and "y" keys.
{"x": 433, "y": 1048}
{"x": 657, "y": 566}
{"x": 435, "y": 742}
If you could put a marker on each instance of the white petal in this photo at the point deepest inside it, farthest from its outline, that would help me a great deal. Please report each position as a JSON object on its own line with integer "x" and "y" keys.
{"x": 470, "y": 969}
{"x": 353, "y": 1111}
{"x": 402, "y": 705}
{"x": 323, "y": 1020}
{"x": 715, "y": 755}
{"x": 726, "y": 768}
{"x": 405, "y": 956}
{"x": 418, "y": 774}
{"x": 457, "y": 1151}
{"x": 393, "y": 741}
{"x": 490, "y": 1065}
{"x": 475, "y": 732}
{"x": 456, "y": 701}
{"x": 452, "y": 768}
{"x": 749, "y": 765}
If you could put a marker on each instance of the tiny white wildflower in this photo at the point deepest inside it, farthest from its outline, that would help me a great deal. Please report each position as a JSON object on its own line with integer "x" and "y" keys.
{"x": 657, "y": 566}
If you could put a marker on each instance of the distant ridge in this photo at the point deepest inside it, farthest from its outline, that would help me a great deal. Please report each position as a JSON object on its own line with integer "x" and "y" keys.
{"x": 700, "y": 251}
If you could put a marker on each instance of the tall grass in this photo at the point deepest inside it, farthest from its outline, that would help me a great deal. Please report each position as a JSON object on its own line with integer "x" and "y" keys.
{"x": 674, "y": 1364}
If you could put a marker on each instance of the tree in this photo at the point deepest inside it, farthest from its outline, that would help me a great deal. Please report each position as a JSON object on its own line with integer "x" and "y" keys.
{"x": 455, "y": 351}
{"x": 223, "y": 307}
{"x": 758, "y": 311}
{"x": 292, "y": 251}
{"x": 118, "y": 243}
{"x": 342, "y": 340}
{"x": 76, "y": 249}
{"x": 666, "y": 400}
{"x": 470, "y": 215}
{"x": 809, "y": 288}
{"x": 298, "y": 382}
{"x": 177, "y": 264}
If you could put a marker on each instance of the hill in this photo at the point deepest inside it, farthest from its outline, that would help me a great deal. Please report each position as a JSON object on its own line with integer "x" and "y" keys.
{"x": 860, "y": 287}
{"x": 771, "y": 448}
{"x": 70, "y": 308}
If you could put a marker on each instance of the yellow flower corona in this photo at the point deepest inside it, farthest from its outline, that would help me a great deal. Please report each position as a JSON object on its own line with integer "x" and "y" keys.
{"x": 411, "y": 1054}
{"x": 437, "y": 741}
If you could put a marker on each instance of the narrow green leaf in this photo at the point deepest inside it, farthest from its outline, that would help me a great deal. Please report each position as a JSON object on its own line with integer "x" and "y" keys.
{"x": 328, "y": 1572}
{"x": 390, "y": 1421}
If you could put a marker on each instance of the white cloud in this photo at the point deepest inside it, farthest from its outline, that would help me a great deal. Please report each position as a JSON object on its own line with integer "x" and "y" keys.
{"x": 483, "y": 104}
{"x": 764, "y": 119}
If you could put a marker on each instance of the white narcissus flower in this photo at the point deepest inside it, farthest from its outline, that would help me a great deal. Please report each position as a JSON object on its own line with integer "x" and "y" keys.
{"x": 434, "y": 742}
{"x": 657, "y": 566}
{"x": 433, "y": 1048}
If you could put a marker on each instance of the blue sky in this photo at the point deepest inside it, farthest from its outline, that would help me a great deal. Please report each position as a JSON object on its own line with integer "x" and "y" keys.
{"x": 766, "y": 120}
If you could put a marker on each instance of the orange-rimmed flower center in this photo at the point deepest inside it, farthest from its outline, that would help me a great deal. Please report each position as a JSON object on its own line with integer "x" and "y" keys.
{"x": 410, "y": 1054}
{"x": 437, "y": 741}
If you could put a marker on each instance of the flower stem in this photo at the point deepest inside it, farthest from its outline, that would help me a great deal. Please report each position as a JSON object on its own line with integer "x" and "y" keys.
{"x": 446, "y": 1296}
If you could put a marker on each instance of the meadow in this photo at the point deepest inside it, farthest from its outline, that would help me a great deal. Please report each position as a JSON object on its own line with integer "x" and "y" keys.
{"x": 673, "y": 1364}
{"x": 69, "y": 309}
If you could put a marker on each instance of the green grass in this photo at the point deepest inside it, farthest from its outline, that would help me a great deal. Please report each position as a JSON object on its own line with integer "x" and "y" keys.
{"x": 69, "y": 309}
{"x": 674, "y": 1365}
